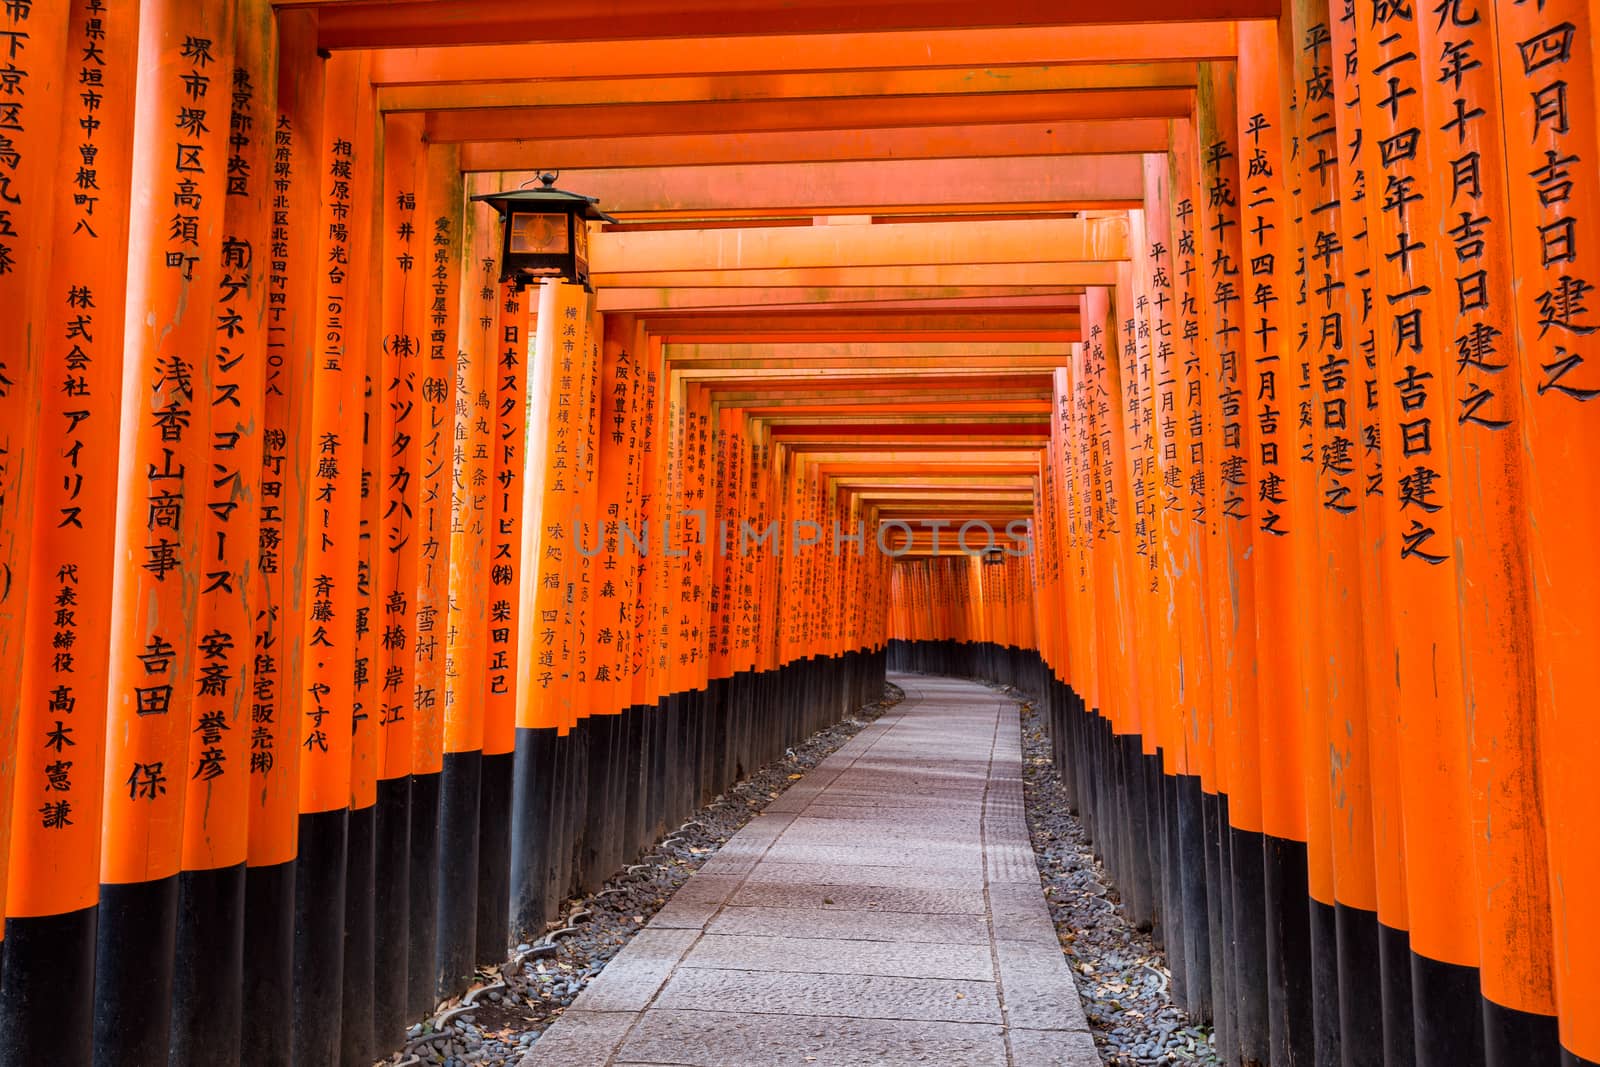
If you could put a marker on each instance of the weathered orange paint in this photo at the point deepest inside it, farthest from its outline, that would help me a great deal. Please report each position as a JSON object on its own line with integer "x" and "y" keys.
{"x": 401, "y": 428}
{"x": 293, "y": 324}
{"x": 165, "y": 447}
{"x": 1339, "y": 756}
{"x": 1373, "y": 562}
{"x": 1270, "y": 386}
{"x": 338, "y": 411}
{"x": 54, "y": 861}
{"x": 507, "y": 531}
{"x": 215, "y": 830}
{"x": 1419, "y": 540}
{"x": 1547, "y": 57}
{"x": 544, "y": 642}
{"x": 440, "y": 208}
{"x": 1228, "y": 410}
{"x": 466, "y": 661}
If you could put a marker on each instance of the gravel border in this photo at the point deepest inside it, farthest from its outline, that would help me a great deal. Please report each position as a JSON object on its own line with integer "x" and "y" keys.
{"x": 1121, "y": 973}
{"x": 506, "y": 1008}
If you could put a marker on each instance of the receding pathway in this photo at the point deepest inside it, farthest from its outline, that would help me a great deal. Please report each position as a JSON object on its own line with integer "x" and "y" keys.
{"x": 885, "y": 910}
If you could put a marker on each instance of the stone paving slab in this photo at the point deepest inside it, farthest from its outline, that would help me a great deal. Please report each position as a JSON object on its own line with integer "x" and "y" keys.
{"x": 887, "y": 876}
{"x": 885, "y": 910}
{"x": 865, "y": 925}
{"x": 727, "y": 1039}
{"x": 635, "y": 974}
{"x": 1052, "y": 1048}
{"x": 827, "y": 956}
{"x": 925, "y": 901}
{"x": 853, "y": 996}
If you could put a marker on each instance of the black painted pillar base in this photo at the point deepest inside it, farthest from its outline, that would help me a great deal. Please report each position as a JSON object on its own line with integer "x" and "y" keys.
{"x": 1286, "y": 889}
{"x": 268, "y": 964}
{"x": 357, "y": 1038}
{"x": 456, "y": 927}
{"x": 319, "y": 936}
{"x": 1249, "y": 892}
{"x": 1360, "y": 987}
{"x": 391, "y": 897}
{"x": 1328, "y": 1037}
{"x": 138, "y": 925}
{"x": 494, "y": 857}
{"x": 532, "y": 793}
{"x": 208, "y": 968}
{"x": 1399, "y": 1030}
{"x": 422, "y": 962}
{"x": 1513, "y": 1038}
{"x": 47, "y": 992}
{"x": 1447, "y": 1013}
{"x": 1191, "y": 861}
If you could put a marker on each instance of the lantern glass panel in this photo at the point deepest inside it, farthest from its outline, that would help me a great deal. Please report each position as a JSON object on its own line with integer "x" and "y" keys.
{"x": 581, "y": 234}
{"x": 537, "y": 234}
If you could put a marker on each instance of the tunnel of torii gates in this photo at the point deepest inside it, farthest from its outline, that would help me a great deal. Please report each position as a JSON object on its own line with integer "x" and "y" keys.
{"x": 359, "y": 606}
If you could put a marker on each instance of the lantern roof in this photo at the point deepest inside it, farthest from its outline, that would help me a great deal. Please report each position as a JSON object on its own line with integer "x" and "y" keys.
{"x": 546, "y": 196}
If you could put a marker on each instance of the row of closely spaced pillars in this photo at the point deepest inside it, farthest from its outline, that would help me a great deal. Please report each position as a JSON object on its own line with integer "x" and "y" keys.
{"x": 368, "y": 606}
{"x": 364, "y": 607}
{"x": 1313, "y": 602}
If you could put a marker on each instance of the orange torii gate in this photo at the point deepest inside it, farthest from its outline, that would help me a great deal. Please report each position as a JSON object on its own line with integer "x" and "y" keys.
{"x": 428, "y": 598}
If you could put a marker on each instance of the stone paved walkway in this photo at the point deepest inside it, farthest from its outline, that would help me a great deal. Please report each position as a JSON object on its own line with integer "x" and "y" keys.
{"x": 885, "y": 910}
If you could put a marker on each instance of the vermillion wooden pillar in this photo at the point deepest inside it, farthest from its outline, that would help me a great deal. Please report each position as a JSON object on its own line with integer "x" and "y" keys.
{"x": 1393, "y": 988}
{"x": 1548, "y": 80}
{"x": 1477, "y": 319}
{"x": 618, "y": 584}
{"x": 588, "y": 792}
{"x": 505, "y": 606}
{"x": 1305, "y": 127}
{"x": 467, "y": 661}
{"x": 1347, "y": 1005}
{"x": 1152, "y": 330}
{"x": 33, "y": 97}
{"x": 543, "y": 637}
{"x": 612, "y": 589}
{"x": 175, "y": 262}
{"x": 208, "y": 1008}
{"x": 1402, "y": 214}
{"x": 1131, "y": 355}
{"x": 1153, "y": 305}
{"x": 1115, "y": 568}
{"x": 647, "y": 690}
{"x": 699, "y": 485}
{"x": 1174, "y": 323}
{"x": 333, "y": 513}
{"x": 575, "y": 384}
{"x": 439, "y": 219}
{"x": 53, "y": 874}
{"x": 402, "y": 269}
{"x": 1226, "y": 289}
{"x": 1271, "y": 383}
{"x": 737, "y": 590}
{"x": 278, "y": 662}
{"x": 356, "y": 1035}
{"x": 1188, "y": 531}
{"x": 667, "y": 527}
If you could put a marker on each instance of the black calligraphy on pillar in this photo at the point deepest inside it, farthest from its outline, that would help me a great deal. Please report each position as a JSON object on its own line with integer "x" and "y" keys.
{"x": 1409, "y": 276}
{"x": 510, "y": 431}
{"x": 1564, "y": 300}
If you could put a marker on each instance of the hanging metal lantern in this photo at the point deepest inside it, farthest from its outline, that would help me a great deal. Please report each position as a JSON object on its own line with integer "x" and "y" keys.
{"x": 544, "y": 232}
